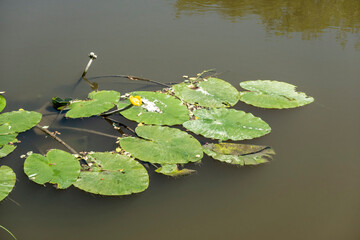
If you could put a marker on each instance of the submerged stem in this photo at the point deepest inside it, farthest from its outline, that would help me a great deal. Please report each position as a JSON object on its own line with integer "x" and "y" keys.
{"x": 90, "y": 131}
{"x": 94, "y": 85}
{"x": 133, "y": 78}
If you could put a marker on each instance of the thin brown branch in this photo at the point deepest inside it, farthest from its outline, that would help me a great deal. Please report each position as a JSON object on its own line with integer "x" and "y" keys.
{"x": 53, "y": 135}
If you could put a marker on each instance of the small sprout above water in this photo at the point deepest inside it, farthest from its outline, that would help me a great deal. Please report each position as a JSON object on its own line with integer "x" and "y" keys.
{"x": 92, "y": 57}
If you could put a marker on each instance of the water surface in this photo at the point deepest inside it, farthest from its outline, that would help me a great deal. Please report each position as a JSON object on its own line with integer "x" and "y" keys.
{"x": 309, "y": 191}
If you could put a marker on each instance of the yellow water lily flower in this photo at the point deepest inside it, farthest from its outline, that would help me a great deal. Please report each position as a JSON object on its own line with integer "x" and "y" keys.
{"x": 136, "y": 101}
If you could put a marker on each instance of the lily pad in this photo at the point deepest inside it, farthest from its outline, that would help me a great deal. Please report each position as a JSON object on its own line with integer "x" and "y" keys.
{"x": 18, "y": 121}
{"x": 113, "y": 174}
{"x": 225, "y": 124}
{"x": 7, "y": 181}
{"x": 273, "y": 94}
{"x": 172, "y": 170}
{"x": 58, "y": 167}
{"x": 4, "y": 139}
{"x": 211, "y": 92}
{"x": 99, "y": 102}
{"x": 163, "y": 145}
{"x": 60, "y": 103}
{"x": 2, "y": 103}
{"x": 6, "y": 150}
{"x": 239, "y": 154}
{"x": 156, "y": 108}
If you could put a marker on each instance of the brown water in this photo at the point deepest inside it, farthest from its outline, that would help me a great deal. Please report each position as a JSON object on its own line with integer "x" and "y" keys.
{"x": 310, "y": 191}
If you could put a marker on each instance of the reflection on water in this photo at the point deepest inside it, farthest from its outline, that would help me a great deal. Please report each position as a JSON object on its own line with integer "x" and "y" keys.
{"x": 311, "y": 18}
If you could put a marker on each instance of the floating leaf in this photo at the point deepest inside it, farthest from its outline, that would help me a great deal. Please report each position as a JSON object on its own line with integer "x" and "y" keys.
{"x": 240, "y": 154}
{"x": 4, "y": 139}
{"x": 2, "y": 102}
{"x": 18, "y": 121}
{"x": 163, "y": 145}
{"x": 225, "y": 124}
{"x": 100, "y": 101}
{"x": 7, "y": 181}
{"x": 113, "y": 174}
{"x": 58, "y": 167}
{"x": 173, "y": 170}
{"x": 211, "y": 92}
{"x": 156, "y": 108}
{"x": 273, "y": 94}
{"x": 60, "y": 103}
{"x": 6, "y": 150}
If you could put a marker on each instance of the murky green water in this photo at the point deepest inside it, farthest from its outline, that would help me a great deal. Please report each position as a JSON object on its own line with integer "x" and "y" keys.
{"x": 310, "y": 191}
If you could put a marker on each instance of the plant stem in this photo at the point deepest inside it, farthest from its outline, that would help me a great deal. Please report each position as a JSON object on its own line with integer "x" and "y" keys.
{"x": 94, "y": 85}
{"x": 8, "y": 232}
{"x": 115, "y": 111}
{"x": 53, "y": 135}
{"x": 110, "y": 120}
{"x": 90, "y": 131}
{"x": 133, "y": 78}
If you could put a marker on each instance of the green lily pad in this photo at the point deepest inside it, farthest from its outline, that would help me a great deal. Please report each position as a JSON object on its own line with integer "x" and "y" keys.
{"x": 225, "y": 124}
{"x": 172, "y": 170}
{"x": 18, "y": 121}
{"x": 156, "y": 108}
{"x": 273, "y": 94}
{"x": 4, "y": 139}
{"x": 2, "y": 103}
{"x": 113, "y": 174}
{"x": 60, "y": 103}
{"x": 7, "y": 181}
{"x": 163, "y": 145}
{"x": 100, "y": 101}
{"x": 239, "y": 154}
{"x": 6, "y": 150}
{"x": 211, "y": 92}
{"x": 58, "y": 167}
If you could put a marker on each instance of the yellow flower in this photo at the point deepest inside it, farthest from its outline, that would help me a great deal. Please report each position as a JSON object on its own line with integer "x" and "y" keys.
{"x": 136, "y": 101}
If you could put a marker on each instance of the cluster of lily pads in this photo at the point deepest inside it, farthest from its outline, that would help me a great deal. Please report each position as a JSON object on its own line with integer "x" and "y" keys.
{"x": 201, "y": 105}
